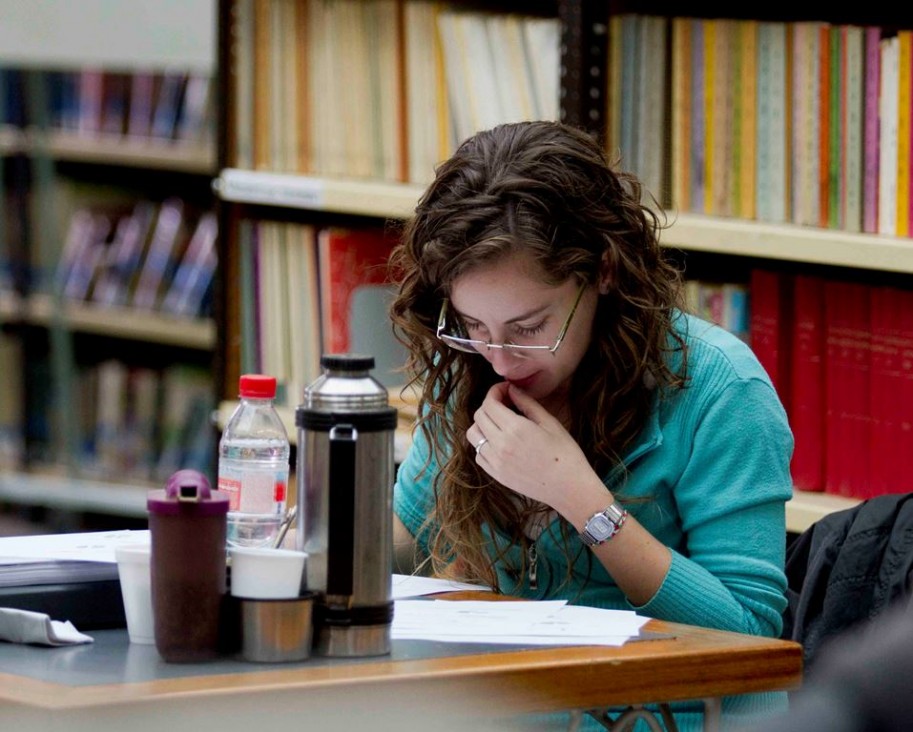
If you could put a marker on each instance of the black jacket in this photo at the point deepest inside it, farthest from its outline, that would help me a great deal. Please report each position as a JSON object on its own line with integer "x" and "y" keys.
{"x": 848, "y": 567}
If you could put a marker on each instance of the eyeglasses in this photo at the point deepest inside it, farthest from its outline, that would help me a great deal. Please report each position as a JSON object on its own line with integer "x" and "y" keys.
{"x": 457, "y": 337}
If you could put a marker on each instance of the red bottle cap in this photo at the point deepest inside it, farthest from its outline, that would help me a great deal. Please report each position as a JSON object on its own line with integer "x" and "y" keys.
{"x": 257, "y": 386}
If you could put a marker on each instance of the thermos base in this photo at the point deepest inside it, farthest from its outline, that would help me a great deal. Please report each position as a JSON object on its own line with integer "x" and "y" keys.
{"x": 353, "y": 641}
{"x": 348, "y": 632}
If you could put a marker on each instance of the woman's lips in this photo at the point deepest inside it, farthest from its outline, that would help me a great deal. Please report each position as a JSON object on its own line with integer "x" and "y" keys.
{"x": 523, "y": 383}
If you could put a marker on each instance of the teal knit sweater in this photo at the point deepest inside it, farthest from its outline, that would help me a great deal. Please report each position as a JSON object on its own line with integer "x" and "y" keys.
{"x": 709, "y": 478}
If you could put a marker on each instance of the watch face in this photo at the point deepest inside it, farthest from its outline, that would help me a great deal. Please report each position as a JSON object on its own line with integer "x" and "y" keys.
{"x": 600, "y": 527}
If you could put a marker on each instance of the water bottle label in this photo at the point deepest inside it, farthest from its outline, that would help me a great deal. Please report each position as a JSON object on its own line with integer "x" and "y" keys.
{"x": 254, "y": 491}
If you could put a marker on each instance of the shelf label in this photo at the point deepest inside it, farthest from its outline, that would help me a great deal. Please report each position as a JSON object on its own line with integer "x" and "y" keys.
{"x": 275, "y": 189}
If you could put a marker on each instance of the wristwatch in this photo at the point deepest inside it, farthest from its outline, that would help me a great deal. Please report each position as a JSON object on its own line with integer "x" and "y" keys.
{"x": 604, "y": 525}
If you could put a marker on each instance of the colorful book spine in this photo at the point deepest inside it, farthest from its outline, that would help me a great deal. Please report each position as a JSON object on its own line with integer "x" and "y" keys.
{"x": 681, "y": 113}
{"x": 698, "y": 116}
{"x": 905, "y": 55}
{"x": 746, "y": 117}
{"x": 852, "y": 140}
{"x": 870, "y": 132}
{"x": 832, "y": 212}
{"x": 887, "y": 142}
{"x": 710, "y": 117}
{"x": 824, "y": 125}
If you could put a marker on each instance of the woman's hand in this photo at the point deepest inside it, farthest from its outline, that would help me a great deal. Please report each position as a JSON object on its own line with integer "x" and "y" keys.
{"x": 530, "y": 452}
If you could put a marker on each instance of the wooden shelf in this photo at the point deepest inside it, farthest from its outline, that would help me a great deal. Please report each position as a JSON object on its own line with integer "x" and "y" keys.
{"x": 789, "y": 242}
{"x": 174, "y": 155}
{"x": 123, "y": 323}
{"x": 687, "y": 231}
{"x": 74, "y": 494}
{"x": 359, "y": 197}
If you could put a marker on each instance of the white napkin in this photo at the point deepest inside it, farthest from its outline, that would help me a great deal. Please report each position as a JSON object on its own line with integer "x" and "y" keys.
{"x": 26, "y": 626}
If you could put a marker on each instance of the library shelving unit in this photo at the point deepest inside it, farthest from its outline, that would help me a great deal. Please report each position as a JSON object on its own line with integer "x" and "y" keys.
{"x": 49, "y": 171}
{"x": 262, "y": 190}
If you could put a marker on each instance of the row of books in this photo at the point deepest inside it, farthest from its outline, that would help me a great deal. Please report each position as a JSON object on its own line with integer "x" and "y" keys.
{"x": 801, "y": 122}
{"x": 841, "y": 356}
{"x": 130, "y": 423}
{"x": 725, "y": 303}
{"x": 163, "y": 105}
{"x": 305, "y": 291}
{"x": 384, "y": 89}
{"x": 151, "y": 256}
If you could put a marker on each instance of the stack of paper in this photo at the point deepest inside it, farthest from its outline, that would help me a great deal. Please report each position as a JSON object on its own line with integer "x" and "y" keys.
{"x": 62, "y": 558}
{"x": 552, "y": 622}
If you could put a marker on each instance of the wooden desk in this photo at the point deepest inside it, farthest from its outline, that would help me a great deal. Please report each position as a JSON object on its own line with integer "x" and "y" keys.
{"x": 471, "y": 690}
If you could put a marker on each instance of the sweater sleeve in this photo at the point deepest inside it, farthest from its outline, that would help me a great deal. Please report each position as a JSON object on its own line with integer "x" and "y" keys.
{"x": 413, "y": 492}
{"x": 731, "y": 499}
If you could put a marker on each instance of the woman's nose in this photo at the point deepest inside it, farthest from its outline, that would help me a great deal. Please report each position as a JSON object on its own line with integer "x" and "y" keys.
{"x": 502, "y": 360}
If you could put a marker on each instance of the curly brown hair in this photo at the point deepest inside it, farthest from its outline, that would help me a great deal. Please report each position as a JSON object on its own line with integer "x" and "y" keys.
{"x": 548, "y": 190}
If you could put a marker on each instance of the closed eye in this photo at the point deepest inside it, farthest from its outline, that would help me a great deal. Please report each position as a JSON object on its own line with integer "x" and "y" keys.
{"x": 527, "y": 331}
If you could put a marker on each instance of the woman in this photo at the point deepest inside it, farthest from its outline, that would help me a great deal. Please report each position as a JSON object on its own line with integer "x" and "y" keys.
{"x": 581, "y": 437}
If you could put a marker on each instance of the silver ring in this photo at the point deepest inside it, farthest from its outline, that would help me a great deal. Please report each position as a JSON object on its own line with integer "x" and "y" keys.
{"x": 481, "y": 445}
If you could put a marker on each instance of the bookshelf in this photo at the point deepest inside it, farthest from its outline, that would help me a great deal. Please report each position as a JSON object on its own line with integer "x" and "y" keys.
{"x": 107, "y": 250}
{"x": 312, "y": 195}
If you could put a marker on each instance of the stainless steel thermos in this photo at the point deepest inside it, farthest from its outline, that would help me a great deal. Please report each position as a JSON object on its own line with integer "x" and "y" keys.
{"x": 345, "y": 498}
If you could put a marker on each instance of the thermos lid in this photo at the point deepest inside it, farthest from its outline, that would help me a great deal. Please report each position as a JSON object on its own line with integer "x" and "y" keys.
{"x": 346, "y": 385}
{"x": 347, "y": 362}
{"x": 187, "y": 492}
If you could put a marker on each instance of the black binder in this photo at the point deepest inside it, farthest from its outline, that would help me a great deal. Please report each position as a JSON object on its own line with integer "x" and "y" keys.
{"x": 93, "y": 605}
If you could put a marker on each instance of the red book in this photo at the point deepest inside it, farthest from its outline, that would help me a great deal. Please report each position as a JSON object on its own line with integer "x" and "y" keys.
{"x": 348, "y": 258}
{"x": 847, "y": 388}
{"x": 806, "y": 410}
{"x": 770, "y": 324}
{"x": 903, "y": 402}
{"x": 885, "y": 460}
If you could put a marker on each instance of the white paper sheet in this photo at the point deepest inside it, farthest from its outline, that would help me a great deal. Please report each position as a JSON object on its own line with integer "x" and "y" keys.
{"x": 525, "y": 623}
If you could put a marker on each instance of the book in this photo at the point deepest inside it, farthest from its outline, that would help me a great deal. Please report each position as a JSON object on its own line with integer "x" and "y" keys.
{"x": 852, "y": 150}
{"x": 115, "y": 103}
{"x": 698, "y": 117}
{"x": 168, "y": 104}
{"x": 164, "y": 244}
{"x": 847, "y": 387}
{"x": 190, "y": 287}
{"x": 771, "y": 312}
{"x": 681, "y": 113}
{"x": 125, "y": 255}
{"x": 196, "y": 117}
{"x": 904, "y": 60}
{"x": 745, "y": 118}
{"x": 303, "y": 306}
{"x": 347, "y": 259}
{"x": 870, "y": 133}
{"x": 807, "y": 375}
{"x": 111, "y": 417}
{"x": 91, "y": 101}
{"x": 888, "y": 143}
{"x": 886, "y": 469}
{"x": 427, "y": 131}
{"x": 143, "y": 88}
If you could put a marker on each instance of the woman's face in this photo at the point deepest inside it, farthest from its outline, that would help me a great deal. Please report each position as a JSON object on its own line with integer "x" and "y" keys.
{"x": 509, "y": 301}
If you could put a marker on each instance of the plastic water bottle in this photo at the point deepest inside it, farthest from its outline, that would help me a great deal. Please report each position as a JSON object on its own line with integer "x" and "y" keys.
{"x": 254, "y": 464}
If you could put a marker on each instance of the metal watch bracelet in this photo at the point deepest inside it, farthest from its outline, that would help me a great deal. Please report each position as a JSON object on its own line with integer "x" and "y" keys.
{"x": 604, "y": 525}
